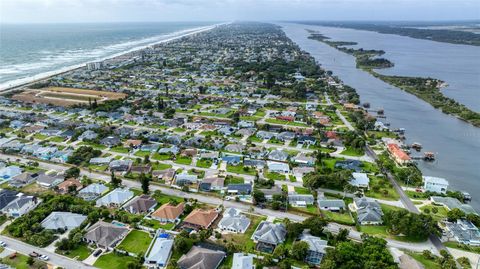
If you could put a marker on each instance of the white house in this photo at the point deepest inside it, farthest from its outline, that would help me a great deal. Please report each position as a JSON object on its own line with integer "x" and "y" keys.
{"x": 360, "y": 180}
{"x": 435, "y": 184}
{"x": 242, "y": 261}
{"x": 278, "y": 167}
{"x": 234, "y": 221}
{"x": 20, "y": 206}
{"x": 160, "y": 252}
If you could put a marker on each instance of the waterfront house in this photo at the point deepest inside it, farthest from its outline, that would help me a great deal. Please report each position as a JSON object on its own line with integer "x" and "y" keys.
{"x": 464, "y": 232}
{"x": 398, "y": 154}
{"x": 435, "y": 184}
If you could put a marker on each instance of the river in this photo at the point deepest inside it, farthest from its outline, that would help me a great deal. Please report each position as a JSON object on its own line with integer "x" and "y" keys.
{"x": 456, "y": 143}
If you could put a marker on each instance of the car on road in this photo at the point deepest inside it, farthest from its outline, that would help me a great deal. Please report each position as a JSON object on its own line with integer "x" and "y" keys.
{"x": 97, "y": 253}
{"x": 44, "y": 257}
{"x": 34, "y": 254}
{"x": 3, "y": 244}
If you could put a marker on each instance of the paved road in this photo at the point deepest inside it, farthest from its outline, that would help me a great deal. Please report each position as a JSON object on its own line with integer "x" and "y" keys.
{"x": 58, "y": 260}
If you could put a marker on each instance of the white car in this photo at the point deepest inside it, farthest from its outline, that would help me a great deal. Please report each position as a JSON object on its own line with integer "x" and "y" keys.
{"x": 2, "y": 244}
{"x": 43, "y": 257}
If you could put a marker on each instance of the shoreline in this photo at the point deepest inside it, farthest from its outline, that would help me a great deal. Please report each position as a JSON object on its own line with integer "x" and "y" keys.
{"x": 22, "y": 82}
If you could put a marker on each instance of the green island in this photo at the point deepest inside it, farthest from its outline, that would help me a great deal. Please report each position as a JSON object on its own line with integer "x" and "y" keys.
{"x": 427, "y": 89}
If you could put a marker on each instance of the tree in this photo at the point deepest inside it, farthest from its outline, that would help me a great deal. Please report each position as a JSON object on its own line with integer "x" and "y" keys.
{"x": 315, "y": 224}
{"x": 455, "y": 214}
{"x": 258, "y": 197}
{"x": 280, "y": 252}
{"x": 409, "y": 224}
{"x": 72, "y": 172}
{"x": 116, "y": 182}
{"x": 181, "y": 244}
{"x": 299, "y": 250}
{"x": 474, "y": 218}
{"x": 30, "y": 261}
{"x": 145, "y": 181}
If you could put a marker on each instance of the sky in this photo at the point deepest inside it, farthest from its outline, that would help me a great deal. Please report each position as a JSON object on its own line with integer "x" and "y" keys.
{"x": 52, "y": 11}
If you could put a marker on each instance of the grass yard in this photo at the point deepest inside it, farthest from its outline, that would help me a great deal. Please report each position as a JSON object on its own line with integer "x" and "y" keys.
{"x": 183, "y": 160}
{"x": 80, "y": 253}
{"x": 301, "y": 190}
{"x": 93, "y": 145}
{"x": 57, "y": 139}
{"x": 253, "y": 138}
{"x": 462, "y": 247}
{"x": 274, "y": 176}
{"x": 441, "y": 211}
{"x": 381, "y": 231}
{"x": 430, "y": 264}
{"x": 120, "y": 149}
{"x": 163, "y": 198}
{"x": 20, "y": 262}
{"x": 233, "y": 180}
{"x": 161, "y": 157}
{"x": 381, "y": 188}
{"x": 155, "y": 224}
{"x": 352, "y": 152}
{"x": 204, "y": 163}
{"x": 40, "y": 136}
{"x": 240, "y": 169}
{"x": 160, "y": 166}
{"x": 142, "y": 154}
{"x": 136, "y": 242}
{"x": 244, "y": 240}
{"x": 34, "y": 188}
{"x": 284, "y": 122}
{"x": 98, "y": 167}
{"x": 343, "y": 218}
{"x": 113, "y": 260}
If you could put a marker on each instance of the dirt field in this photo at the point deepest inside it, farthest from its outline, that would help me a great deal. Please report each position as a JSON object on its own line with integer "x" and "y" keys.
{"x": 65, "y": 96}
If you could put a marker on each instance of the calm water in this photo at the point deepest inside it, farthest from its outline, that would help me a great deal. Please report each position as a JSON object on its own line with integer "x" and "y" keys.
{"x": 456, "y": 143}
{"x": 27, "y": 50}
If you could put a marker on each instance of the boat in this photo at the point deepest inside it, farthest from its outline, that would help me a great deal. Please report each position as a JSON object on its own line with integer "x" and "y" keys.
{"x": 466, "y": 196}
{"x": 380, "y": 112}
{"x": 416, "y": 146}
{"x": 429, "y": 156}
{"x": 366, "y": 105}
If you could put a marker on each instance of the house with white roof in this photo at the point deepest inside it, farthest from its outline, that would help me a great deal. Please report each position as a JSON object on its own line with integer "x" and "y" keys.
{"x": 160, "y": 251}
{"x": 360, "y": 180}
{"x": 92, "y": 191}
{"x": 63, "y": 220}
{"x": 243, "y": 261}
{"x": 278, "y": 167}
{"x": 234, "y": 221}
{"x": 8, "y": 172}
{"x": 115, "y": 198}
{"x": 435, "y": 184}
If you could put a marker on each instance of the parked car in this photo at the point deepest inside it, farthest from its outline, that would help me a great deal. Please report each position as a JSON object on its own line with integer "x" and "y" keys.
{"x": 34, "y": 254}
{"x": 2, "y": 244}
{"x": 97, "y": 253}
{"x": 44, "y": 257}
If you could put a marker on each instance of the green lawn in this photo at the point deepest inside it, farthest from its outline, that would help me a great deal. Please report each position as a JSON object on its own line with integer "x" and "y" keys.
{"x": 244, "y": 241}
{"x": 80, "y": 253}
{"x": 381, "y": 231}
{"x": 136, "y": 242}
{"x": 20, "y": 262}
{"x": 381, "y": 188}
{"x": 112, "y": 260}
{"x": 274, "y": 176}
{"x": 301, "y": 190}
{"x": 120, "y": 149}
{"x": 161, "y": 157}
{"x": 40, "y": 136}
{"x": 160, "y": 166}
{"x": 284, "y": 122}
{"x": 183, "y": 160}
{"x": 253, "y": 138}
{"x": 57, "y": 139}
{"x": 441, "y": 211}
{"x": 343, "y": 218}
{"x": 93, "y": 145}
{"x": 178, "y": 130}
{"x": 240, "y": 169}
{"x": 233, "y": 180}
{"x": 462, "y": 247}
{"x": 429, "y": 264}
{"x": 156, "y": 224}
{"x": 352, "y": 152}
{"x": 98, "y": 167}
{"x": 140, "y": 153}
{"x": 163, "y": 198}
{"x": 204, "y": 163}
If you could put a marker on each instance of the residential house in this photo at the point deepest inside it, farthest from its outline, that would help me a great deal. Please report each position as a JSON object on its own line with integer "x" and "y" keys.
{"x": 168, "y": 213}
{"x": 368, "y": 210}
{"x": 398, "y": 154}
{"x": 278, "y": 167}
{"x": 101, "y": 160}
{"x": 209, "y": 155}
{"x": 120, "y": 165}
{"x": 105, "y": 235}
{"x": 69, "y": 185}
{"x": 201, "y": 258}
{"x": 92, "y": 191}
{"x": 303, "y": 159}
{"x": 20, "y": 206}
{"x": 234, "y": 221}
{"x": 306, "y": 140}
{"x": 185, "y": 178}
{"x": 333, "y": 205}
{"x": 464, "y": 232}
{"x": 141, "y": 204}
{"x": 268, "y": 235}
{"x": 302, "y": 170}
{"x": 9, "y": 172}
{"x": 23, "y": 179}
{"x": 287, "y": 135}
{"x": 435, "y": 184}
{"x": 451, "y": 203}
{"x": 160, "y": 251}
{"x": 316, "y": 248}
{"x": 6, "y": 197}
{"x": 166, "y": 175}
{"x": 170, "y": 150}
{"x": 237, "y": 189}
{"x": 278, "y": 155}
{"x": 134, "y": 143}
{"x": 49, "y": 181}
{"x": 269, "y": 193}
{"x": 232, "y": 160}
{"x": 265, "y": 134}
{"x": 360, "y": 180}
{"x": 200, "y": 219}
{"x": 63, "y": 220}
{"x": 115, "y": 198}
{"x": 110, "y": 141}
{"x": 243, "y": 261}
{"x": 300, "y": 200}
{"x": 88, "y": 135}
{"x": 354, "y": 165}
{"x": 212, "y": 183}
{"x": 257, "y": 164}
{"x": 234, "y": 147}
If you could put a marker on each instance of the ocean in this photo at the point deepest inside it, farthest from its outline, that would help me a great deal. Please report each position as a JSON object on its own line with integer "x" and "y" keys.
{"x": 29, "y": 51}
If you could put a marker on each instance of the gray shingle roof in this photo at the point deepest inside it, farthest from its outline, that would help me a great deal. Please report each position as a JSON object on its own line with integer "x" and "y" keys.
{"x": 201, "y": 258}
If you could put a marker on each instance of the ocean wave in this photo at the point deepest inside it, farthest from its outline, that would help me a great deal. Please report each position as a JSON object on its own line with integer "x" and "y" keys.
{"x": 70, "y": 59}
